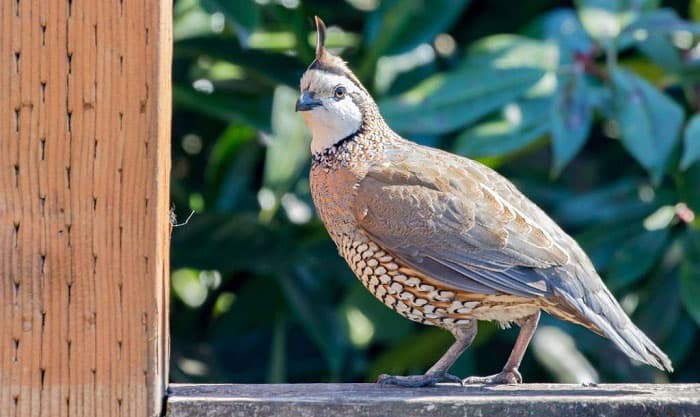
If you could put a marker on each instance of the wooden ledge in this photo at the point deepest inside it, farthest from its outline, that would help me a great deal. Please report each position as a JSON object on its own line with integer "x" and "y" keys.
{"x": 340, "y": 400}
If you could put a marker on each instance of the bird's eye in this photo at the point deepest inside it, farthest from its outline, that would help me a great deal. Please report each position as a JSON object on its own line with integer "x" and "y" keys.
{"x": 339, "y": 92}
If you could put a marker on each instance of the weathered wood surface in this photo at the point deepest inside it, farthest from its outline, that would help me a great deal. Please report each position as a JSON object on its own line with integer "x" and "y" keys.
{"x": 84, "y": 177}
{"x": 340, "y": 400}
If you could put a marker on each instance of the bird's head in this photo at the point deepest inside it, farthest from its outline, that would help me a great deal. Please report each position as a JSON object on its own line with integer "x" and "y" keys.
{"x": 333, "y": 102}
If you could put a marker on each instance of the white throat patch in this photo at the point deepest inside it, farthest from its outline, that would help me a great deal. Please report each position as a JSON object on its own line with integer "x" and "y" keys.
{"x": 335, "y": 119}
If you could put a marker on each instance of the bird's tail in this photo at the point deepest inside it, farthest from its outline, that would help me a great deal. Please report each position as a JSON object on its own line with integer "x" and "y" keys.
{"x": 598, "y": 309}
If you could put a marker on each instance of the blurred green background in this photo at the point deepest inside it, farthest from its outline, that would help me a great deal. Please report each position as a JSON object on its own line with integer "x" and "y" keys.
{"x": 589, "y": 107}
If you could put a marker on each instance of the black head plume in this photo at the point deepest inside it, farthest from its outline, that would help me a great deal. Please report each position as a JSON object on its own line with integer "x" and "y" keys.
{"x": 320, "y": 37}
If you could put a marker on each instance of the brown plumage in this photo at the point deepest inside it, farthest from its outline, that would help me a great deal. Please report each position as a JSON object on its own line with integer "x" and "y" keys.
{"x": 441, "y": 239}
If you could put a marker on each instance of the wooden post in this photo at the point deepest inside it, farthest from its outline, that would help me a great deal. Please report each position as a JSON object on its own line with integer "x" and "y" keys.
{"x": 84, "y": 230}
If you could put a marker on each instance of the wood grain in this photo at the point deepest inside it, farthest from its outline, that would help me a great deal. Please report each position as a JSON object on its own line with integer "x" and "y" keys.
{"x": 84, "y": 231}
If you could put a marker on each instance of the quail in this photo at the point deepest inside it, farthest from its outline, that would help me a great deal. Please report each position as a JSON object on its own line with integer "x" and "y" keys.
{"x": 441, "y": 239}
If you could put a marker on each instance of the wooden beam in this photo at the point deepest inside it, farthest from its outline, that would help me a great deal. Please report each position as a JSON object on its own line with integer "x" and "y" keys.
{"x": 84, "y": 230}
{"x": 445, "y": 400}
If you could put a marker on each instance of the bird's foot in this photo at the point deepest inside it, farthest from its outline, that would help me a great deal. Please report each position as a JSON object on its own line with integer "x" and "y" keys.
{"x": 509, "y": 376}
{"x": 413, "y": 381}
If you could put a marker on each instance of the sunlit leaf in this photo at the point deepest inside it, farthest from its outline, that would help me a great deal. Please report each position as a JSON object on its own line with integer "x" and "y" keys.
{"x": 288, "y": 150}
{"x": 691, "y": 142}
{"x": 243, "y": 14}
{"x": 276, "y": 68}
{"x": 252, "y": 110}
{"x": 605, "y": 19}
{"x": 398, "y": 26}
{"x": 564, "y": 27}
{"x": 519, "y": 125}
{"x": 649, "y": 120}
{"x": 572, "y": 116}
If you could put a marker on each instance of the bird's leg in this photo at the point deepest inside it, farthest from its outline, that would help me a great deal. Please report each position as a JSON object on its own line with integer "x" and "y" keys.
{"x": 510, "y": 374}
{"x": 438, "y": 372}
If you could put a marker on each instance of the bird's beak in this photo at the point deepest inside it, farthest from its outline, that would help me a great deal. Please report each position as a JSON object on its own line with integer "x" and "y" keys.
{"x": 307, "y": 102}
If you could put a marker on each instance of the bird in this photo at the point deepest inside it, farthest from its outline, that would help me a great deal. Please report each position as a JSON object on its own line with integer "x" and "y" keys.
{"x": 441, "y": 239}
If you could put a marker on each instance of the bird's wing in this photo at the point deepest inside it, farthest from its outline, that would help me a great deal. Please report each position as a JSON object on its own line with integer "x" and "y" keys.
{"x": 454, "y": 221}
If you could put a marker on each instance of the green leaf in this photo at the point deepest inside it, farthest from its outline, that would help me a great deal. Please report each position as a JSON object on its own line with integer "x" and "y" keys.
{"x": 690, "y": 274}
{"x": 273, "y": 67}
{"x": 691, "y": 142}
{"x": 612, "y": 202}
{"x": 605, "y": 19}
{"x": 413, "y": 354}
{"x": 636, "y": 257}
{"x": 289, "y": 148}
{"x": 656, "y": 43}
{"x": 235, "y": 243}
{"x": 663, "y": 21}
{"x": 461, "y": 98}
{"x": 243, "y": 14}
{"x": 252, "y": 110}
{"x": 398, "y": 26}
{"x": 500, "y": 69}
{"x": 316, "y": 317}
{"x": 688, "y": 184}
{"x": 231, "y": 169}
{"x": 572, "y": 116}
{"x": 190, "y": 20}
{"x": 564, "y": 27}
{"x": 650, "y": 121}
{"x": 388, "y": 325}
{"x": 519, "y": 125}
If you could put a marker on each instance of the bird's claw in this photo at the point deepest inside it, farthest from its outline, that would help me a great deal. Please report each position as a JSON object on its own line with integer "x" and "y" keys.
{"x": 414, "y": 381}
{"x": 510, "y": 376}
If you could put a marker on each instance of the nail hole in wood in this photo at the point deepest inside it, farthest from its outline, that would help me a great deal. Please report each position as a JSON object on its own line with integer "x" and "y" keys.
{"x": 15, "y": 288}
{"x": 16, "y": 8}
{"x": 94, "y": 151}
{"x": 17, "y": 120}
{"x": 94, "y": 203}
{"x": 43, "y": 376}
{"x": 68, "y": 177}
{"x": 70, "y": 8}
{"x": 94, "y": 31}
{"x": 42, "y": 205}
{"x": 15, "y": 234}
{"x": 69, "y": 121}
{"x": 42, "y": 142}
{"x": 121, "y": 64}
{"x": 16, "y": 170}
{"x": 15, "y": 356}
{"x": 121, "y": 121}
{"x": 69, "y": 59}
{"x": 43, "y": 35}
{"x": 69, "y": 287}
{"x": 43, "y": 91}
{"x": 17, "y": 56}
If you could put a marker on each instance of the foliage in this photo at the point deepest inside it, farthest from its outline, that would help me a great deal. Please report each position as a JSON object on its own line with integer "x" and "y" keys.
{"x": 587, "y": 107}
